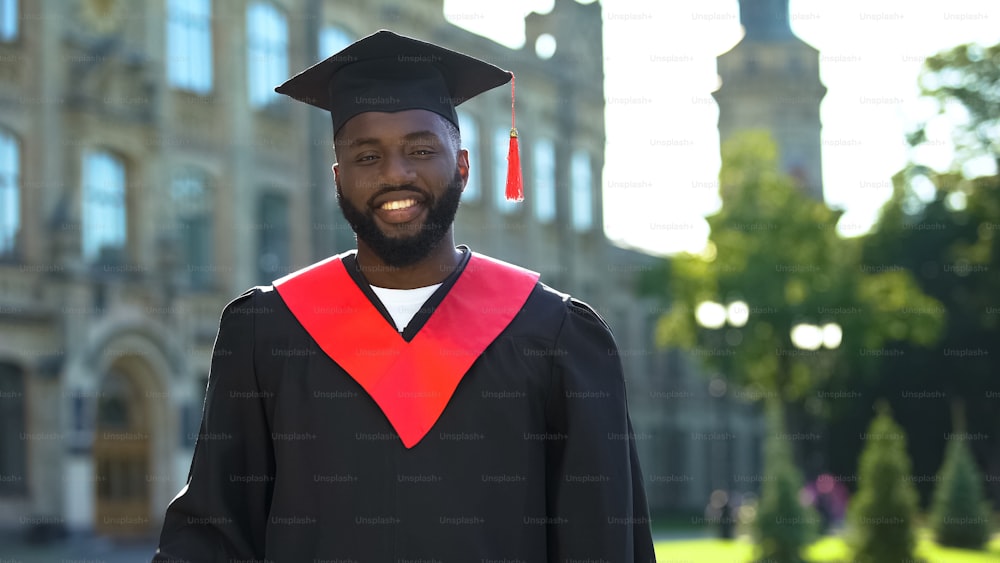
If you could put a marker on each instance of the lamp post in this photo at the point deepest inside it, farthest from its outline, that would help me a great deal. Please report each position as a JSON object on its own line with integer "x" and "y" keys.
{"x": 808, "y": 336}
{"x": 811, "y": 337}
{"x": 715, "y": 316}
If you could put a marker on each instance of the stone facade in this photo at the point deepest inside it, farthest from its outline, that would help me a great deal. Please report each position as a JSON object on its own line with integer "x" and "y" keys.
{"x": 106, "y": 338}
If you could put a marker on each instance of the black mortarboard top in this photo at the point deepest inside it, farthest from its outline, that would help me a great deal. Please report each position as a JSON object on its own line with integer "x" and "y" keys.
{"x": 387, "y": 72}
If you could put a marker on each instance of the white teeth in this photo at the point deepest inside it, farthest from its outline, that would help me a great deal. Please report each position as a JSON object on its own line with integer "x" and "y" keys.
{"x": 398, "y": 204}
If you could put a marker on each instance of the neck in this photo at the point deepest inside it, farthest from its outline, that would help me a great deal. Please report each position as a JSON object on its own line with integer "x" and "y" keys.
{"x": 433, "y": 268}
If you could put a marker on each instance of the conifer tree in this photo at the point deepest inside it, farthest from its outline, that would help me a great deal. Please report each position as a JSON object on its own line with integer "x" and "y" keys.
{"x": 783, "y": 526}
{"x": 960, "y": 516}
{"x": 882, "y": 514}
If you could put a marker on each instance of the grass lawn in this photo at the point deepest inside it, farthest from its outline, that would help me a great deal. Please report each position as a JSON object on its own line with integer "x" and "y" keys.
{"x": 827, "y": 550}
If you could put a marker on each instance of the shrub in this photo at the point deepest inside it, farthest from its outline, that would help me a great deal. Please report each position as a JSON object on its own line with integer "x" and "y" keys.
{"x": 882, "y": 514}
{"x": 783, "y": 526}
{"x": 960, "y": 516}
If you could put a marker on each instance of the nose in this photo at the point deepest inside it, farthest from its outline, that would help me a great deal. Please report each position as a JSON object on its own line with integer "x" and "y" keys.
{"x": 396, "y": 170}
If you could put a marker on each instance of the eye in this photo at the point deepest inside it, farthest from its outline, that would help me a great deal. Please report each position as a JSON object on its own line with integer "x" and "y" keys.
{"x": 366, "y": 157}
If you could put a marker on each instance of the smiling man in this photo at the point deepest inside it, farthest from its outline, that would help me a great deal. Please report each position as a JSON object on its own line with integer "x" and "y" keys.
{"x": 399, "y": 178}
{"x": 410, "y": 400}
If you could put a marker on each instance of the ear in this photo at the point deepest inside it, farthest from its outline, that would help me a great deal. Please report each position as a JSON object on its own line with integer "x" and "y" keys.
{"x": 462, "y": 164}
{"x": 336, "y": 173}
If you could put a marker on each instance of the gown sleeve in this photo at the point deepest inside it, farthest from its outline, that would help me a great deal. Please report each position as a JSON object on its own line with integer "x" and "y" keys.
{"x": 595, "y": 495}
{"x": 221, "y": 514}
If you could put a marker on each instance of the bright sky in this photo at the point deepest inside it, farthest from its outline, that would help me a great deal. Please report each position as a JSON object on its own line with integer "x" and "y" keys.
{"x": 656, "y": 193}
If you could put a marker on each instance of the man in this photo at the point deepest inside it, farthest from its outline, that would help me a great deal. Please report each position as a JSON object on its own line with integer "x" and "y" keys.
{"x": 412, "y": 400}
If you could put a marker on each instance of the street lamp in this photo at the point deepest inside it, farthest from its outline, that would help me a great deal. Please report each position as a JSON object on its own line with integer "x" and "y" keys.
{"x": 812, "y": 337}
{"x": 807, "y": 336}
{"x": 832, "y": 335}
{"x": 710, "y": 314}
{"x": 714, "y": 316}
{"x": 738, "y": 313}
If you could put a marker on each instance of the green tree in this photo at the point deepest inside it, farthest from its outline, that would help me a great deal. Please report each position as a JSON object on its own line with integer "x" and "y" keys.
{"x": 960, "y": 517}
{"x": 882, "y": 513}
{"x": 774, "y": 252}
{"x": 783, "y": 526}
{"x": 941, "y": 227}
{"x": 967, "y": 76}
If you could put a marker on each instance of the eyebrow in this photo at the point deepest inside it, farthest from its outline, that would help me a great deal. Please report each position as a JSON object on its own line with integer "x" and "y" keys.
{"x": 416, "y": 135}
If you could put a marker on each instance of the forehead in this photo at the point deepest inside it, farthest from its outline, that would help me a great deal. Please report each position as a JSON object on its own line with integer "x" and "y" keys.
{"x": 388, "y": 126}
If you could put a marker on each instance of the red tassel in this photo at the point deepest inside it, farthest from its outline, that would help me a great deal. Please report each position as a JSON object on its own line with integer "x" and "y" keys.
{"x": 515, "y": 186}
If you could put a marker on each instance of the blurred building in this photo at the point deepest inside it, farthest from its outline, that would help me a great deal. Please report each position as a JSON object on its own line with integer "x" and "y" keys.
{"x": 770, "y": 80}
{"x": 148, "y": 174}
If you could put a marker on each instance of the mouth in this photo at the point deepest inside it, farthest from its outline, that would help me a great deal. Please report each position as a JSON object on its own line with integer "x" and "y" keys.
{"x": 398, "y": 204}
{"x": 398, "y": 208}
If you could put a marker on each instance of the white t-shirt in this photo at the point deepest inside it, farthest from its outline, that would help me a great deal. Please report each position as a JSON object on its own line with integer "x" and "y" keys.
{"x": 403, "y": 304}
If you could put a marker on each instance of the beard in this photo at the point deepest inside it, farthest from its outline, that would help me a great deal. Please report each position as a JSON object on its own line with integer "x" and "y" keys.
{"x": 402, "y": 251}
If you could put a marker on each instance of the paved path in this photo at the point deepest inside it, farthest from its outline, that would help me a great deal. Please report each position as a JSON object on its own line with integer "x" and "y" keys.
{"x": 13, "y": 549}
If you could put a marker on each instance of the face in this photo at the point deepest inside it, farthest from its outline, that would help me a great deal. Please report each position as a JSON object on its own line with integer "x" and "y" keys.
{"x": 399, "y": 181}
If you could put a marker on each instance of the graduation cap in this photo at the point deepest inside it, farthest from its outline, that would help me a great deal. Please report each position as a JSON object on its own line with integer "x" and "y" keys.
{"x": 387, "y": 72}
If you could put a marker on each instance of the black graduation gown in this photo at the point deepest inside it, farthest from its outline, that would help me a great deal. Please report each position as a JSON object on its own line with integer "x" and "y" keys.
{"x": 532, "y": 460}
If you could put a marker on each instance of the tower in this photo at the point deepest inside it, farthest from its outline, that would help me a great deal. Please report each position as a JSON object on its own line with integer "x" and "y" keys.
{"x": 770, "y": 80}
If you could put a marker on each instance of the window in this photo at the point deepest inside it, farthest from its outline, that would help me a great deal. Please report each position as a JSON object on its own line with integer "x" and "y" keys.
{"x": 8, "y": 20}
{"x": 103, "y": 207}
{"x": 501, "y": 144}
{"x": 544, "y": 186}
{"x": 267, "y": 52}
{"x": 114, "y": 405}
{"x": 189, "y": 45}
{"x": 10, "y": 194}
{"x": 192, "y": 204}
{"x": 272, "y": 237}
{"x": 12, "y": 442}
{"x": 470, "y": 141}
{"x": 583, "y": 194}
{"x": 332, "y": 39}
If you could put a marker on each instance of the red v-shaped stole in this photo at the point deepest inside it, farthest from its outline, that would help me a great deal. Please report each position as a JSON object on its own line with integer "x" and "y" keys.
{"x": 411, "y": 382}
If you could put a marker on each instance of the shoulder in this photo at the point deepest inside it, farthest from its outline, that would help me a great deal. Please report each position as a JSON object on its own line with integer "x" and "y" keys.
{"x": 550, "y": 309}
{"x": 559, "y": 313}
{"x": 255, "y": 302}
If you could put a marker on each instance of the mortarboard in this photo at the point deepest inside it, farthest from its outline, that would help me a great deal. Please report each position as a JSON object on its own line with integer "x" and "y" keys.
{"x": 387, "y": 72}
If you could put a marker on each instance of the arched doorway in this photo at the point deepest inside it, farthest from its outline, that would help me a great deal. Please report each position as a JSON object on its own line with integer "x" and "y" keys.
{"x": 121, "y": 458}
